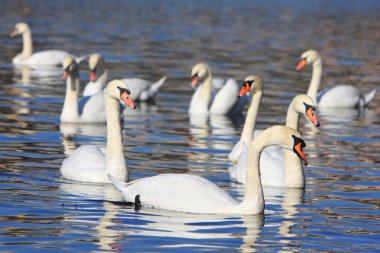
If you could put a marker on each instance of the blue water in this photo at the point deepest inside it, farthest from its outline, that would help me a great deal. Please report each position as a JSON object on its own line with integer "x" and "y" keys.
{"x": 339, "y": 209}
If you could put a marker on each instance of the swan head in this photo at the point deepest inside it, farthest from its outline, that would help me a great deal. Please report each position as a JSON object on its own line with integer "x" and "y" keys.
{"x": 283, "y": 136}
{"x": 69, "y": 66}
{"x": 93, "y": 64}
{"x": 119, "y": 90}
{"x": 199, "y": 73}
{"x": 20, "y": 28}
{"x": 307, "y": 58}
{"x": 251, "y": 84}
{"x": 303, "y": 104}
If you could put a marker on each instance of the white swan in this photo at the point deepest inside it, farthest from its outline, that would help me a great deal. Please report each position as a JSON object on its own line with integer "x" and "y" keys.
{"x": 204, "y": 102}
{"x": 43, "y": 58}
{"x": 193, "y": 194}
{"x": 87, "y": 109}
{"x": 337, "y": 96}
{"x": 91, "y": 164}
{"x": 141, "y": 90}
{"x": 280, "y": 168}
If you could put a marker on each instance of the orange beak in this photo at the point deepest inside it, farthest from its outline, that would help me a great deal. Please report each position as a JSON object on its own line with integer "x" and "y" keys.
{"x": 13, "y": 33}
{"x": 244, "y": 90}
{"x": 194, "y": 81}
{"x": 127, "y": 100}
{"x": 92, "y": 76}
{"x": 313, "y": 118}
{"x": 302, "y": 63}
{"x": 66, "y": 74}
{"x": 300, "y": 153}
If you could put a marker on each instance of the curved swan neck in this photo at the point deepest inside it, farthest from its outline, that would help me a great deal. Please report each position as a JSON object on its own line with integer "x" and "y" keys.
{"x": 27, "y": 47}
{"x": 250, "y": 119}
{"x": 294, "y": 174}
{"x": 206, "y": 91}
{"x": 115, "y": 151}
{"x": 104, "y": 73}
{"x": 254, "y": 197}
{"x": 292, "y": 117}
{"x": 70, "y": 106}
{"x": 315, "y": 79}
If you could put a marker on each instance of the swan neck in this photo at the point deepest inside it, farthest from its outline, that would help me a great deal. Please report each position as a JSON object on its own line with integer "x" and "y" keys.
{"x": 102, "y": 79}
{"x": 70, "y": 106}
{"x": 315, "y": 80}
{"x": 292, "y": 118}
{"x": 27, "y": 47}
{"x": 250, "y": 119}
{"x": 254, "y": 197}
{"x": 294, "y": 174}
{"x": 206, "y": 91}
{"x": 115, "y": 151}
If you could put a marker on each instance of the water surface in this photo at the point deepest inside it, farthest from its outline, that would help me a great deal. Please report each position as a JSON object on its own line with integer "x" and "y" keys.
{"x": 339, "y": 209}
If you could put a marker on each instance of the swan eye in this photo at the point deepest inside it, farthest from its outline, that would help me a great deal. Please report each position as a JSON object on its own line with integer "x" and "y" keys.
{"x": 308, "y": 107}
{"x": 298, "y": 141}
{"x": 122, "y": 90}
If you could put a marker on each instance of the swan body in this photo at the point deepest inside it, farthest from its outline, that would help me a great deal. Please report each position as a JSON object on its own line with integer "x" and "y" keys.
{"x": 92, "y": 164}
{"x": 193, "y": 194}
{"x": 339, "y": 96}
{"x": 278, "y": 167}
{"x": 205, "y": 102}
{"x": 26, "y": 57}
{"x": 141, "y": 90}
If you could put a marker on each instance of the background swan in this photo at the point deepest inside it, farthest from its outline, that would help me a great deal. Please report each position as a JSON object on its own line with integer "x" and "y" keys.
{"x": 43, "y": 58}
{"x": 193, "y": 194}
{"x": 204, "y": 102}
{"x": 87, "y": 109}
{"x": 337, "y": 96}
{"x": 141, "y": 90}
{"x": 278, "y": 166}
{"x": 90, "y": 163}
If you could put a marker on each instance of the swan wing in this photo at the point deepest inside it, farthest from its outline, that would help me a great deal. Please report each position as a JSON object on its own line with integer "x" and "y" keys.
{"x": 177, "y": 192}
{"x": 225, "y": 99}
{"x": 47, "y": 58}
{"x": 92, "y": 108}
{"x": 87, "y": 164}
{"x": 92, "y": 88}
{"x": 340, "y": 96}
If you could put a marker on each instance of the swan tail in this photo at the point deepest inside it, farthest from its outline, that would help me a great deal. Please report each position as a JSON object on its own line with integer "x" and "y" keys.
{"x": 82, "y": 58}
{"x": 368, "y": 98}
{"x": 154, "y": 87}
{"x": 117, "y": 183}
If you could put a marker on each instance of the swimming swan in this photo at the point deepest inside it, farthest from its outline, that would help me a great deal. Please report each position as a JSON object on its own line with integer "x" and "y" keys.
{"x": 222, "y": 103}
{"x": 194, "y": 194}
{"x": 141, "y": 90}
{"x": 337, "y": 96}
{"x": 43, "y": 58}
{"x": 91, "y": 164}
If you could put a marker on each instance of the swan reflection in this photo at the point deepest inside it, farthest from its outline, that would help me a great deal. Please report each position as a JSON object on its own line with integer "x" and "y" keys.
{"x": 120, "y": 226}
